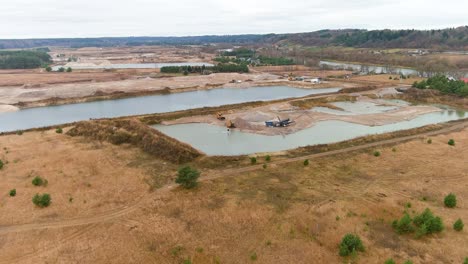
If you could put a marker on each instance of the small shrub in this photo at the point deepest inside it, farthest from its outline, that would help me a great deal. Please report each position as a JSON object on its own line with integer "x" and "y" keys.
{"x": 390, "y": 77}
{"x": 19, "y": 133}
{"x": 350, "y": 244}
{"x": 408, "y": 262}
{"x": 1, "y": 164}
{"x": 451, "y": 142}
{"x": 13, "y": 192}
{"x": 187, "y": 177}
{"x": 38, "y": 181}
{"x": 466, "y": 261}
{"x": 59, "y": 130}
{"x": 393, "y": 149}
{"x": 376, "y": 153}
{"x": 187, "y": 261}
{"x": 253, "y": 160}
{"x": 41, "y": 200}
{"x": 268, "y": 243}
{"x": 450, "y": 200}
{"x": 429, "y": 141}
{"x": 264, "y": 166}
{"x": 253, "y": 257}
{"x": 61, "y": 69}
{"x": 408, "y": 205}
{"x": 199, "y": 249}
{"x": 306, "y": 162}
{"x": 69, "y": 69}
{"x": 268, "y": 158}
{"x": 48, "y": 69}
{"x": 390, "y": 261}
{"x": 403, "y": 225}
{"x": 458, "y": 225}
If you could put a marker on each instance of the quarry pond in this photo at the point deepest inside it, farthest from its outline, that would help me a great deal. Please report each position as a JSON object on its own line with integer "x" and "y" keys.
{"x": 56, "y": 115}
{"x": 216, "y": 140}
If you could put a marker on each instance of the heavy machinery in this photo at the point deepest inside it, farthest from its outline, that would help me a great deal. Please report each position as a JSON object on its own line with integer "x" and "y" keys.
{"x": 220, "y": 116}
{"x": 279, "y": 123}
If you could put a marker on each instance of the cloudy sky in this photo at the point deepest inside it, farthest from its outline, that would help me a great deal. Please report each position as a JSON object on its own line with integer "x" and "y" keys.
{"x": 95, "y": 18}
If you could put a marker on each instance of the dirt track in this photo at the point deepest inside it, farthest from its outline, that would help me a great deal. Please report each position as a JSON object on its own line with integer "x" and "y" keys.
{"x": 119, "y": 212}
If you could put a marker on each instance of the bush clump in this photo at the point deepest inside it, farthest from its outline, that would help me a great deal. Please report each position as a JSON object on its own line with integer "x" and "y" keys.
{"x": 451, "y": 142}
{"x": 450, "y": 200}
{"x": 466, "y": 261}
{"x": 428, "y": 223}
{"x": 404, "y": 225}
{"x": 59, "y": 130}
{"x": 350, "y": 244}
{"x": 38, "y": 181}
{"x": 13, "y": 192}
{"x": 424, "y": 224}
{"x": 458, "y": 225}
{"x": 390, "y": 261}
{"x": 41, "y": 200}
{"x": 306, "y": 162}
{"x": 253, "y": 160}
{"x": 377, "y": 153}
{"x": 187, "y": 177}
{"x": 1, "y": 164}
{"x": 268, "y": 158}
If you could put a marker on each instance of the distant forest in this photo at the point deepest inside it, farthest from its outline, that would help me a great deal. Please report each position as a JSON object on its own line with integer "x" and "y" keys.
{"x": 451, "y": 38}
{"x": 24, "y": 59}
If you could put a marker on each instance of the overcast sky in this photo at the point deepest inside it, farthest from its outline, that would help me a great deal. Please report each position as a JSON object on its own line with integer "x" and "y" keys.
{"x": 97, "y": 18}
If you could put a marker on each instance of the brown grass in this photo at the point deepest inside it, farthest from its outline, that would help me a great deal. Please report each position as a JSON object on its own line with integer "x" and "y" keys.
{"x": 135, "y": 133}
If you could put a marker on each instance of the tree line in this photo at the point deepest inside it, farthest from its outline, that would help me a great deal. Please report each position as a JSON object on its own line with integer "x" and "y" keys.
{"x": 23, "y": 59}
{"x": 222, "y": 67}
{"x": 444, "y": 85}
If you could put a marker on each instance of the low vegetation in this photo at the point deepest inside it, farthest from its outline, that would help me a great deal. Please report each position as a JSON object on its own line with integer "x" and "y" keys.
{"x": 390, "y": 261}
{"x": 444, "y": 85}
{"x": 450, "y": 200}
{"x": 377, "y": 153}
{"x": 13, "y": 192}
{"x": 135, "y": 133}
{"x": 451, "y": 142}
{"x": 350, "y": 244}
{"x": 306, "y": 162}
{"x": 42, "y": 200}
{"x": 59, "y": 130}
{"x": 187, "y": 177}
{"x": 1, "y": 164}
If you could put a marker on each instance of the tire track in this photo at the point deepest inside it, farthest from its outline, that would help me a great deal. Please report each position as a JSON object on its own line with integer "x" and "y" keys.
{"x": 117, "y": 213}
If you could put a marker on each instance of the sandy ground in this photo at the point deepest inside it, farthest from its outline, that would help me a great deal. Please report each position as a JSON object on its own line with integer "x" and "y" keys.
{"x": 16, "y": 94}
{"x": 39, "y": 78}
{"x": 287, "y": 214}
{"x": 253, "y": 120}
{"x": 141, "y": 54}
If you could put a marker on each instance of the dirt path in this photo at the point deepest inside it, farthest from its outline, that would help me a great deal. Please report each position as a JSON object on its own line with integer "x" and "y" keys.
{"x": 117, "y": 213}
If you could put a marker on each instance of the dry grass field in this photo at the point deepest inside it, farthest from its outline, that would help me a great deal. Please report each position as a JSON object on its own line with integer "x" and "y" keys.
{"x": 282, "y": 214}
